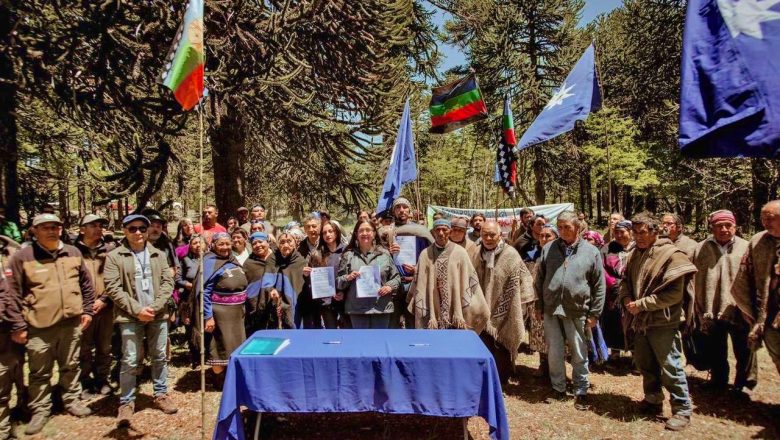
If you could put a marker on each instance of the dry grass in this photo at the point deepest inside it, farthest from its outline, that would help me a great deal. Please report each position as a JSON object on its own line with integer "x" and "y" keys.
{"x": 614, "y": 395}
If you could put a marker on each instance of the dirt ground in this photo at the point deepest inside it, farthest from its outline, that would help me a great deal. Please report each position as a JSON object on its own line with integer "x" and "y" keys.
{"x": 614, "y": 393}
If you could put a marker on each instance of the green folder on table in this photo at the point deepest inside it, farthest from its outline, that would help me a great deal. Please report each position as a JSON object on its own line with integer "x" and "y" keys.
{"x": 265, "y": 346}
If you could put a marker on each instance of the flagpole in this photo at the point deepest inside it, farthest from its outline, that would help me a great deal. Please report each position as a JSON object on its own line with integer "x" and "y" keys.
{"x": 606, "y": 132}
{"x": 417, "y": 177}
{"x": 200, "y": 283}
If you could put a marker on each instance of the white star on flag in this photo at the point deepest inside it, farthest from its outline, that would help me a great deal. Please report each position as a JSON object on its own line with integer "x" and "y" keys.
{"x": 746, "y": 16}
{"x": 560, "y": 95}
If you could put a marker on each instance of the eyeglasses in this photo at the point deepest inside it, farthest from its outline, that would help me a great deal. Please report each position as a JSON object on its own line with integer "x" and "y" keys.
{"x": 134, "y": 229}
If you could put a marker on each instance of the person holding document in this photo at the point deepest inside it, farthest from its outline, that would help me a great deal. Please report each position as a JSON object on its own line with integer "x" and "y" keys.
{"x": 409, "y": 239}
{"x": 327, "y": 256}
{"x": 369, "y": 276}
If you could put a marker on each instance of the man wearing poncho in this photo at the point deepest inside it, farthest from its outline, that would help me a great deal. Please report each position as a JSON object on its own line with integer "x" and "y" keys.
{"x": 717, "y": 259}
{"x": 445, "y": 293}
{"x": 652, "y": 291}
{"x": 507, "y": 286}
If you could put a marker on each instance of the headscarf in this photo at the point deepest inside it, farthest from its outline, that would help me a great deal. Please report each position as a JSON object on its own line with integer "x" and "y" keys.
{"x": 624, "y": 224}
{"x": 595, "y": 236}
{"x": 551, "y": 227}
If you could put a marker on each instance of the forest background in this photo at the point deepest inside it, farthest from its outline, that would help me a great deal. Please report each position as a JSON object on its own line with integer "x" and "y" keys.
{"x": 304, "y": 98}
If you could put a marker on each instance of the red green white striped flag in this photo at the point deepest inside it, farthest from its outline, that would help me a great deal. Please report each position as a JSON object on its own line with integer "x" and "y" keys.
{"x": 457, "y": 105}
{"x": 185, "y": 62}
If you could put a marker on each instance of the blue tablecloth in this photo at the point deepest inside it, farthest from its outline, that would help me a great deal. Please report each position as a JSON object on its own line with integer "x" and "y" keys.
{"x": 432, "y": 372}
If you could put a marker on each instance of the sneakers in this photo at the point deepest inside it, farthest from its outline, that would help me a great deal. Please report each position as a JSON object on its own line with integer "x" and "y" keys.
{"x": 125, "y": 414}
{"x": 678, "y": 422}
{"x": 79, "y": 410}
{"x": 36, "y": 424}
{"x": 581, "y": 402}
{"x": 165, "y": 404}
{"x": 557, "y": 396}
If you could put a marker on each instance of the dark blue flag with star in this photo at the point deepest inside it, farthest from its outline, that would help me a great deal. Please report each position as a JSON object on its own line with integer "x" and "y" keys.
{"x": 573, "y": 101}
{"x": 730, "y": 94}
{"x": 403, "y": 164}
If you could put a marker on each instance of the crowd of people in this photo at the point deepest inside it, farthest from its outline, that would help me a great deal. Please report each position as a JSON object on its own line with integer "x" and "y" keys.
{"x": 557, "y": 289}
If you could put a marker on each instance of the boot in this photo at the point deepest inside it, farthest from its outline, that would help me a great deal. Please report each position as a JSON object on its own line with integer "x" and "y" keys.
{"x": 78, "y": 409}
{"x": 37, "y": 423}
{"x": 165, "y": 404}
{"x": 678, "y": 422}
{"x": 125, "y": 414}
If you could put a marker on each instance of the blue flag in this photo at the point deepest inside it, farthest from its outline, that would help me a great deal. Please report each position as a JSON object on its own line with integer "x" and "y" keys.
{"x": 573, "y": 101}
{"x": 730, "y": 95}
{"x": 403, "y": 164}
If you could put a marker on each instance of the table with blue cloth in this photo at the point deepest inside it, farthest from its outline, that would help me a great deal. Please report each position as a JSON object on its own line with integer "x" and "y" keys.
{"x": 448, "y": 373}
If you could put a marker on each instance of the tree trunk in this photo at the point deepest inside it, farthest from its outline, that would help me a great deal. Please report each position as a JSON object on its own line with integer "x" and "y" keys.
{"x": 589, "y": 194}
{"x": 582, "y": 192}
{"x": 81, "y": 193}
{"x": 539, "y": 189}
{"x": 227, "y": 153}
{"x": 761, "y": 179}
{"x": 628, "y": 202}
{"x": 62, "y": 198}
{"x": 599, "y": 192}
{"x": 9, "y": 148}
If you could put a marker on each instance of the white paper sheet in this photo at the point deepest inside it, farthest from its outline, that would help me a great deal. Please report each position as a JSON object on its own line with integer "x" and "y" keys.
{"x": 408, "y": 252}
{"x": 323, "y": 282}
{"x": 369, "y": 282}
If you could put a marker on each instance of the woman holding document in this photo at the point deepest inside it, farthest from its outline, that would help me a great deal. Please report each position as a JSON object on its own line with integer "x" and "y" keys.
{"x": 324, "y": 263}
{"x": 369, "y": 277}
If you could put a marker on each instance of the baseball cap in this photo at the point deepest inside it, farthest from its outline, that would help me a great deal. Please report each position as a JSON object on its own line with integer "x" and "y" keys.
{"x": 242, "y": 209}
{"x": 133, "y": 217}
{"x": 153, "y": 215}
{"x": 91, "y": 218}
{"x": 46, "y": 218}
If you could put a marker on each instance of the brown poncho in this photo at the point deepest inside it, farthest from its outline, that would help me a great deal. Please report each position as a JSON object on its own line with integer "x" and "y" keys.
{"x": 752, "y": 288}
{"x": 657, "y": 279}
{"x": 507, "y": 285}
{"x": 445, "y": 292}
{"x": 716, "y": 273}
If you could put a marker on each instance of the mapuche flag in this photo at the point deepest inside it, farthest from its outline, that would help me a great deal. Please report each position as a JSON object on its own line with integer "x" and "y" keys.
{"x": 506, "y": 162}
{"x": 457, "y": 105}
{"x": 185, "y": 62}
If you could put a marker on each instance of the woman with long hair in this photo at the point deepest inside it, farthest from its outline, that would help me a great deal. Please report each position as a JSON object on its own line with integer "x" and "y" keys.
{"x": 184, "y": 232}
{"x": 186, "y": 279}
{"x": 329, "y": 253}
{"x": 364, "y": 250}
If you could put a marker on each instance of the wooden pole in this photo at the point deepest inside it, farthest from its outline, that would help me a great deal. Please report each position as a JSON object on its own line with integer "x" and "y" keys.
{"x": 200, "y": 283}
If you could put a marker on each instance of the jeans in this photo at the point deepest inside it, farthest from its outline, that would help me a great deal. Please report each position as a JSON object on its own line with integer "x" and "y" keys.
{"x": 559, "y": 331}
{"x": 658, "y": 356}
{"x": 133, "y": 333}
{"x": 371, "y": 321}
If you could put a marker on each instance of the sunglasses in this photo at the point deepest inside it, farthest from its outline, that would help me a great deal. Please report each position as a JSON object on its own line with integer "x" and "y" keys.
{"x": 134, "y": 229}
